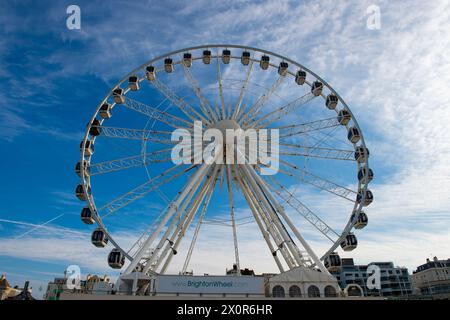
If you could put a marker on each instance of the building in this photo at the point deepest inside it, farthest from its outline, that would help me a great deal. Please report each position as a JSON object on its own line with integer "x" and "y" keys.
{"x": 394, "y": 281}
{"x": 433, "y": 278}
{"x": 93, "y": 284}
{"x": 302, "y": 282}
{"x": 9, "y": 293}
{"x": 297, "y": 283}
{"x": 25, "y": 294}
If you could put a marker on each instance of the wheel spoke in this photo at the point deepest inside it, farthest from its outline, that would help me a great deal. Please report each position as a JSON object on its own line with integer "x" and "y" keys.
{"x": 154, "y": 113}
{"x": 185, "y": 107}
{"x": 257, "y": 106}
{"x": 276, "y": 115}
{"x": 237, "y": 109}
{"x": 302, "y": 128}
{"x": 318, "y": 182}
{"x": 219, "y": 81}
{"x": 136, "y": 134}
{"x": 130, "y": 162}
{"x": 316, "y": 152}
{"x": 302, "y": 209}
{"x": 143, "y": 189}
{"x": 254, "y": 110}
{"x": 205, "y": 106}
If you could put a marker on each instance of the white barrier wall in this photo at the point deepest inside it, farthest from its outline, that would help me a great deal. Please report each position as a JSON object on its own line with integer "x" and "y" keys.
{"x": 173, "y": 284}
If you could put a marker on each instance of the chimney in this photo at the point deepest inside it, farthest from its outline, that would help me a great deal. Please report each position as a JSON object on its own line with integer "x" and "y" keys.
{"x": 428, "y": 260}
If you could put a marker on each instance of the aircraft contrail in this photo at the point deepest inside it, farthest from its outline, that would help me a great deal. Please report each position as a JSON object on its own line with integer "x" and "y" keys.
{"x": 38, "y": 226}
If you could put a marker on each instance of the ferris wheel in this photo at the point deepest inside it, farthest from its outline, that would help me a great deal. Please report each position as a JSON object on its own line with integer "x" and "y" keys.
{"x": 322, "y": 159}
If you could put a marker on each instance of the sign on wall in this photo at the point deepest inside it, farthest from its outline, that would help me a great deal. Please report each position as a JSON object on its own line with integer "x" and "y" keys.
{"x": 209, "y": 284}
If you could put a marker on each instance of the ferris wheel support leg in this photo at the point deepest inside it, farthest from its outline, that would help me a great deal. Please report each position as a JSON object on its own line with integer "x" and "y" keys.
{"x": 197, "y": 175}
{"x": 293, "y": 260}
{"x": 154, "y": 258}
{"x": 178, "y": 233}
{"x": 305, "y": 245}
{"x": 275, "y": 209}
{"x": 233, "y": 221}
{"x": 163, "y": 243}
{"x": 264, "y": 232}
{"x": 273, "y": 231}
{"x": 181, "y": 231}
{"x": 199, "y": 222}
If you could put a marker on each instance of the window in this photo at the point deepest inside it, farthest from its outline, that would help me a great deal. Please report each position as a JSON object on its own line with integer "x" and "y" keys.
{"x": 330, "y": 291}
{"x": 278, "y": 291}
{"x": 354, "y": 291}
{"x": 313, "y": 292}
{"x": 294, "y": 291}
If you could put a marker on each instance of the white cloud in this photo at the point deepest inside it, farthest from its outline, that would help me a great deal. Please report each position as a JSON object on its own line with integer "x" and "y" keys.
{"x": 394, "y": 79}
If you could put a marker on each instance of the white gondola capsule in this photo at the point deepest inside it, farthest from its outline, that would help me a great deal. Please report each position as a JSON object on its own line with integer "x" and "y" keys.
{"x": 332, "y": 262}
{"x": 133, "y": 83}
{"x": 99, "y": 238}
{"x": 116, "y": 259}
{"x": 316, "y": 88}
{"x": 344, "y": 117}
{"x": 168, "y": 65}
{"x": 360, "y": 154}
{"x": 87, "y": 216}
{"x": 332, "y": 101}
{"x": 226, "y": 56}
{"x": 362, "y": 175}
{"x": 264, "y": 63}
{"x": 283, "y": 68}
{"x": 86, "y": 168}
{"x": 206, "y": 58}
{"x": 187, "y": 59}
{"x": 95, "y": 128}
{"x": 88, "y": 148}
{"x": 353, "y": 134}
{"x": 150, "y": 73}
{"x": 118, "y": 96}
{"x": 349, "y": 243}
{"x": 79, "y": 192}
{"x": 300, "y": 77}
{"x": 105, "y": 111}
{"x": 367, "y": 199}
{"x": 245, "y": 58}
{"x": 361, "y": 221}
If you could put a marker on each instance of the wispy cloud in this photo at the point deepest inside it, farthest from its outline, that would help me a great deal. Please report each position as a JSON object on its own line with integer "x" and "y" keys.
{"x": 395, "y": 80}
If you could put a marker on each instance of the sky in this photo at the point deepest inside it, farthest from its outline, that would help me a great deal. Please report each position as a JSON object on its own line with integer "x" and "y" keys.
{"x": 395, "y": 80}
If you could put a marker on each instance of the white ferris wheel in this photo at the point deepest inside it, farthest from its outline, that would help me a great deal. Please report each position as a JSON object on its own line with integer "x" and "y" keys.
{"x": 322, "y": 155}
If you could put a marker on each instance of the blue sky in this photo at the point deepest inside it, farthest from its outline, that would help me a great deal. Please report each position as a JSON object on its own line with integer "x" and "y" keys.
{"x": 394, "y": 79}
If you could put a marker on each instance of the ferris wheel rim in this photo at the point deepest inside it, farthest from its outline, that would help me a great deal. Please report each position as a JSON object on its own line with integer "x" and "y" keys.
{"x": 86, "y": 179}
